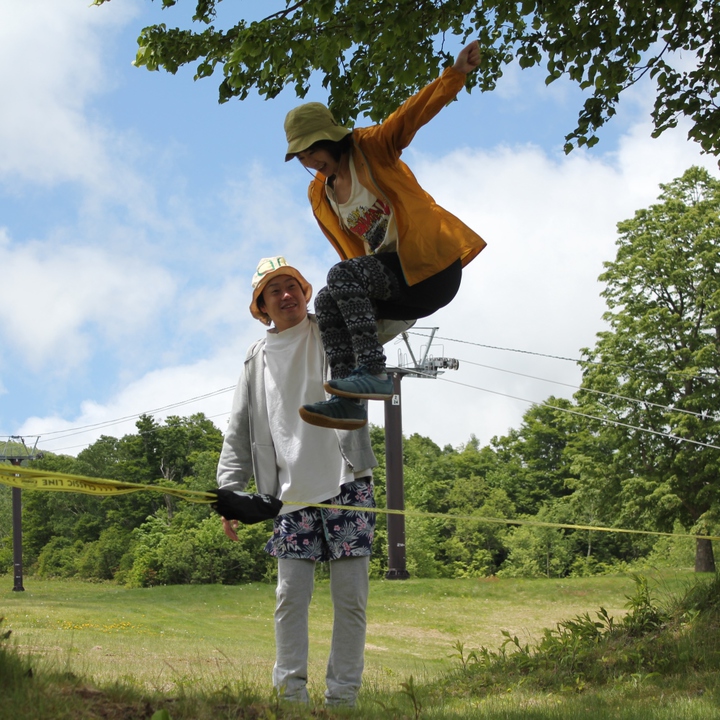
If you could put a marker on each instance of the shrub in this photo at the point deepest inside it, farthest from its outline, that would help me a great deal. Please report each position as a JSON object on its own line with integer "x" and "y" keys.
{"x": 101, "y": 559}
{"x": 59, "y": 557}
{"x": 537, "y": 552}
{"x": 172, "y": 554}
{"x": 6, "y": 555}
{"x": 649, "y": 640}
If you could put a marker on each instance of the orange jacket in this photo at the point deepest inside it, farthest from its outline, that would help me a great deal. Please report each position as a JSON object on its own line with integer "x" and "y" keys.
{"x": 429, "y": 237}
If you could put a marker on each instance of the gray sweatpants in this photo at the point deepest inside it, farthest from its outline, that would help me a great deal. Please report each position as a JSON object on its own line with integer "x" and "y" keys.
{"x": 349, "y": 585}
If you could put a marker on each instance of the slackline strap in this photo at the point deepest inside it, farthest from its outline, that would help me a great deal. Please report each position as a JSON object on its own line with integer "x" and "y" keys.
{"x": 31, "y": 479}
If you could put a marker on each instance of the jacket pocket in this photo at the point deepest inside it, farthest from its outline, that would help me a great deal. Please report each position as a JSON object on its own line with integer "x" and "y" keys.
{"x": 265, "y": 469}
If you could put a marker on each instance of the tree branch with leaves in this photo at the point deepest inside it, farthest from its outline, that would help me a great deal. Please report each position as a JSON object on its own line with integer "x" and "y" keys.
{"x": 373, "y": 54}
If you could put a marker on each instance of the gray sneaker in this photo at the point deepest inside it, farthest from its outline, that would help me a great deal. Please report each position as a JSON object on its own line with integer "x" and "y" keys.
{"x": 361, "y": 384}
{"x": 338, "y": 412}
{"x": 300, "y": 696}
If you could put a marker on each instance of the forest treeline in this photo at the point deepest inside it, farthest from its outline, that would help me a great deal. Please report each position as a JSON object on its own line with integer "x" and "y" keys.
{"x": 147, "y": 538}
{"x": 637, "y": 447}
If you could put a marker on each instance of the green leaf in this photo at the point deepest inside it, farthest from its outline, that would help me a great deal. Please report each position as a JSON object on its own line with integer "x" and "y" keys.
{"x": 596, "y": 45}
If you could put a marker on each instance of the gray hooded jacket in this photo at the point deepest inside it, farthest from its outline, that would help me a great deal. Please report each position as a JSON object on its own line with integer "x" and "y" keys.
{"x": 248, "y": 449}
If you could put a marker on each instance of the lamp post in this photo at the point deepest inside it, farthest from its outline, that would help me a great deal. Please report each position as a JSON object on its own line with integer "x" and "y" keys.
{"x": 427, "y": 367}
{"x": 394, "y": 482}
{"x": 17, "y": 534}
{"x": 12, "y": 455}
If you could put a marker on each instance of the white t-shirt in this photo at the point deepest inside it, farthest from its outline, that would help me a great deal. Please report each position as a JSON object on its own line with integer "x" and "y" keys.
{"x": 311, "y": 467}
{"x": 366, "y": 215}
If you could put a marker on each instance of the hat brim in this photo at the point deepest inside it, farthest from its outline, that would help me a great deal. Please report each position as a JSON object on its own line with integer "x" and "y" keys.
{"x": 297, "y": 145}
{"x": 305, "y": 286}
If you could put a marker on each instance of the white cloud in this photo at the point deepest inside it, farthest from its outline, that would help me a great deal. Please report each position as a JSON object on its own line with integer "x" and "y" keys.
{"x": 261, "y": 215}
{"x": 204, "y": 386}
{"x": 54, "y": 48}
{"x": 69, "y": 298}
{"x": 550, "y": 224}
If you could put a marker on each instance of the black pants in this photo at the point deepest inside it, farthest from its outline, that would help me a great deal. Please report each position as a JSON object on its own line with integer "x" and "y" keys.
{"x": 362, "y": 290}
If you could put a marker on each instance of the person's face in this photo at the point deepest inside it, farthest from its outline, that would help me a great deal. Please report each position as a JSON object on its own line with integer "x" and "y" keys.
{"x": 284, "y": 301}
{"x": 319, "y": 160}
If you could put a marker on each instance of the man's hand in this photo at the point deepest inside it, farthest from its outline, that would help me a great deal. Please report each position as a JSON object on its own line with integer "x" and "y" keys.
{"x": 229, "y": 527}
{"x": 468, "y": 58}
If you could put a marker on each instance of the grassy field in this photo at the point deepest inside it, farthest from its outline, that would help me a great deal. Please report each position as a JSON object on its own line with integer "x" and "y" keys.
{"x": 170, "y": 639}
{"x": 174, "y": 632}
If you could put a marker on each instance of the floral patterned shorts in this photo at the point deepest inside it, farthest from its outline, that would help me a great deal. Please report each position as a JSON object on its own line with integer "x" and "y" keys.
{"x": 321, "y": 535}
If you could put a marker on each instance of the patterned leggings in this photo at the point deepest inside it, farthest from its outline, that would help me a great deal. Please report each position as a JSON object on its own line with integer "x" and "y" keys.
{"x": 362, "y": 290}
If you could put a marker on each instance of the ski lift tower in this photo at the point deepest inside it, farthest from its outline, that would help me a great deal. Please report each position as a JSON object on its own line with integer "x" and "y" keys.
{"x": 424, "y": 366}
{"x": 15, "y": 451}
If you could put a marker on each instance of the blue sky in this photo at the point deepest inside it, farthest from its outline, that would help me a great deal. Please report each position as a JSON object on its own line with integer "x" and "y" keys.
{"x": 134, "y": 208}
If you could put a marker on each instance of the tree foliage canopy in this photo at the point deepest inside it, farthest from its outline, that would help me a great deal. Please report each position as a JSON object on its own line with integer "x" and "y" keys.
{"x": 372, "y": 54}
{"x": 660, "y": 360}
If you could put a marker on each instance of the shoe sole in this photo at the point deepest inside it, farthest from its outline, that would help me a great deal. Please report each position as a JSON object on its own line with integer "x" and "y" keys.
{"x": 330, "y": 422}
{"x": 359, "y": 396}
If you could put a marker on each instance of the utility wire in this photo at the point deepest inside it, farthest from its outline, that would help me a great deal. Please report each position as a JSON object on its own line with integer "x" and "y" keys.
{"x": 82, "y": 428}
{"x": 575, "y": 412}
{"x": 62, "y": 434}
{"x": 577, "y": 361}
{"x": 702, "y": 415}
{"x": 140, "y": 434}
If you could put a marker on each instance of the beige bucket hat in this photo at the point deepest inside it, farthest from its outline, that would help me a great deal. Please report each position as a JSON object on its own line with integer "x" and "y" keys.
{"x": 267, "y": 269}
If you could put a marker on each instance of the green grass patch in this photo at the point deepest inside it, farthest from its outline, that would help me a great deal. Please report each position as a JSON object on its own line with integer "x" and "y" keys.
{"x": 110, "y": 632}
{"x": 495, "y": 648}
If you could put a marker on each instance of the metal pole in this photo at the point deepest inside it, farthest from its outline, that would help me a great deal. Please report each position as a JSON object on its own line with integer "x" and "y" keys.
{"x": 17, "y": 535}
{"x": 394, "y": 484}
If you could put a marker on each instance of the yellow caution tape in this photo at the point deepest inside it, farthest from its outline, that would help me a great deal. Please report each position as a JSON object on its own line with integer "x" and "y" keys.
{"x": 504, "y": 521}
{"x": 31, "y": 479}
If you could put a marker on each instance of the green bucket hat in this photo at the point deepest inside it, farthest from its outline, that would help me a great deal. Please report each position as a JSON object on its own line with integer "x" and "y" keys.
{"x": 308, "y": 123}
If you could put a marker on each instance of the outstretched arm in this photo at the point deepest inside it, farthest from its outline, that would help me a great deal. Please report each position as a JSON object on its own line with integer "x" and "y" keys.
{"x": 468, "y": 58}
{"x": 395, "y": 134}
